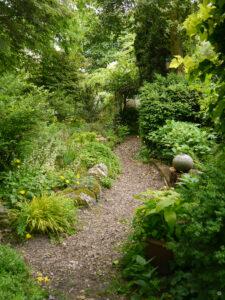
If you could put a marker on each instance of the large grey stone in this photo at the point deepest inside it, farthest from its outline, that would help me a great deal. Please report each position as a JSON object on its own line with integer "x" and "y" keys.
{"x": 83, "y": 197}
{"x": 183, "y": 163}
{"x": 99, "y": 170}
{"x": 4, "y": 217}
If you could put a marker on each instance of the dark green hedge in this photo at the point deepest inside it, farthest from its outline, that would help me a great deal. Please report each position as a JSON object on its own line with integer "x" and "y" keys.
{"x": 167, "y": 98}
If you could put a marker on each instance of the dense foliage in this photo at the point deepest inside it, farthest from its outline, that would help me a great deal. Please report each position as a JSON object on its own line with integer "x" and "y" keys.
{"x": 159, "y": 34}
{"x": 23, "y": 111}
{"x": 191, "y": 218}
{"x": 200, "y": 250}
{"x": 15, "y": 281}
{"x": 29, "y": 27}
{"x": 207, "y": 24}
{"x": 167, "y": 98}
{"x": 180, "y": 137}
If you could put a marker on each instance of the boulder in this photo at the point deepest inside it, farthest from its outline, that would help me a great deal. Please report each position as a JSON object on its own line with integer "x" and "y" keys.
{"x": 83, "y": 197}
{"x": 100, "y": 138}
{"x": 99, "y": 170}
{"x": 4, "y": 217}
{"x": 94, "y": 186}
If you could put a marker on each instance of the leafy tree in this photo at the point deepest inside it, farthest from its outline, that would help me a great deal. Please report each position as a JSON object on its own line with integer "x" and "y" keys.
{"x": 121, "y": 76}
{"x": 27, "y": 27}
{"x": 208, "y": 25}
{"x": 159, "y": 34}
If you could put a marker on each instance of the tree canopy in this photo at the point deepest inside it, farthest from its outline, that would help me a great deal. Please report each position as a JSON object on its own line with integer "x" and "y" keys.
{"x": 29, "y": 27}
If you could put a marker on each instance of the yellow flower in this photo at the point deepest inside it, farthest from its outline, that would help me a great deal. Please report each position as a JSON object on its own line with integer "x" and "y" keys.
{"x": 18, "y": 167}
{"x": 67, "y": 181}
{"x": 62, "y": 177}
{"x": 138, "y": 136}
{"x": 77, "y": 182}
{"x": 28, "y": 236}
{"x": 40, "y": 278}
{"x": 39, "y": 274}
{"x": 22, "y": 192}
{"x": 46, "y": 279}
{"x": 23, "y": 251}
{"x": 78, "y": 176}
{"x": 18, "y": 161}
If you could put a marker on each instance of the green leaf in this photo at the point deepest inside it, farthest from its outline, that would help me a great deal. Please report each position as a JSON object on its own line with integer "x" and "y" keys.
{"x": 171, "y": 218}
{"x": 140, "y": 260}
{"x": 163, "y": 204}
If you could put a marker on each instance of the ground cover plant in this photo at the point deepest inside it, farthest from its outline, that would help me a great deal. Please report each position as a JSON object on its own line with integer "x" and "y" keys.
{"x": 16, "y": 282}
{"x": 181, "y": 137}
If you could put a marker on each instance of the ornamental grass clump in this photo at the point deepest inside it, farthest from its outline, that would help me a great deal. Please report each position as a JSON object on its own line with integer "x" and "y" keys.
{"x": 46, "y": 214}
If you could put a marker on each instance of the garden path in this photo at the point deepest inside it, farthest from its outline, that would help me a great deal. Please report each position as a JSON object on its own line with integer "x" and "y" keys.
{"x": 81, "y": 266}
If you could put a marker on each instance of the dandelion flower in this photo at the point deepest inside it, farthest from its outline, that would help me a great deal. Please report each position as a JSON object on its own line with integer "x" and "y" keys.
{"x": 78, "y": 176}
{"x": 138, "y": 136}
{"x": 67, "y": 181}
{"x": 40, "y": 278}
{"x": 22, "y": 192}
{"x": 18, "y": 166}
{"x": 46, "y": 279}
{"x": 23, "y": 251}
{"x": 18, "y": 161}
{"x": 39, "y": 274}
{"x": 28, "y": 236}
{"x": 62, "y": 177}
{"x": 77, "y": 182}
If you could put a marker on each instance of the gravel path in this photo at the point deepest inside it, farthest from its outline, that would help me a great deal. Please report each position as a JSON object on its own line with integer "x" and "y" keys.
{"x": 81, "y": 266}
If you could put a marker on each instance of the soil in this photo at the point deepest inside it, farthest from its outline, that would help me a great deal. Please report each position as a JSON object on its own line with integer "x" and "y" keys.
{"x": 81, "y": 266}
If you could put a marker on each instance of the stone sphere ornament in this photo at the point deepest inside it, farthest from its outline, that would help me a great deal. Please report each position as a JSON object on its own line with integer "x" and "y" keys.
{"x": 183, "y": 163}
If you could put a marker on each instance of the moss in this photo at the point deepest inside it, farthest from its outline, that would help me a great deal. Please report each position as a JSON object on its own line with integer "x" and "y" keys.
{"x": 94, "y": 186}
{"x": 79, "y": 200}
{"x": 67, "y": 190}
{"x": 97, "y": 189}
{"x": 85, "y": 191}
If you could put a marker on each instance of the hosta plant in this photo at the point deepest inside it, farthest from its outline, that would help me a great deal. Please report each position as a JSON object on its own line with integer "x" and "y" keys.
{"x": 158, "y": 215}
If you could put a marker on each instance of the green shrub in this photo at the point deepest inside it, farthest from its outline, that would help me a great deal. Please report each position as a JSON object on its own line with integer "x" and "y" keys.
{"x": 155, "y": 218}
{"x": 23, "y": 109}
{"x": 106, "y": 182}
{"x": 142, "y": 278}
{"x": 15, "y": 283}
{"x": 180, "y": 137}
{"x": 129, "y": 117}
{"x": 200, "y": 250}
{"x": 47, "y": 214}
{"x": 143, "y": 155}
{"x": 31, "y": 175}
{"x": 94, "y": 152}
{"x": 157, "y": 215}
{"x": 122, "y": 131}
{"x": 167, "y": 98}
